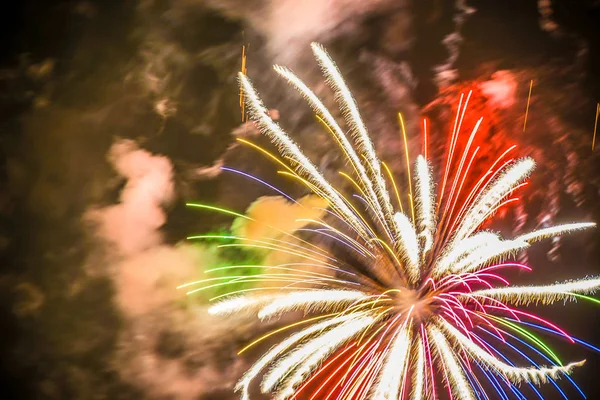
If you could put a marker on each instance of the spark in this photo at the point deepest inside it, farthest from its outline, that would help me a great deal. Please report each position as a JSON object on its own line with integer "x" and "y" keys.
{"x": 528, "y": 102}
{"x": 425, "y": 138}
{"x": 457, "y": 380}
{"x": 405, "y": 139}
{"x": 394, "y": 366}
{"x": 554, "y": 231}
{"x": 545, "y": 294}
{"x": 219, "y": 209}
{"x": 243, "y": 70}
{"x": 389, "y": 172}
{"x": 595, "y": 126}
{"x": 394, "y": 312}
{"x": 307, "y": 356}
{"x": 425, "y": 205}
{"x": 419, "y": 375}
{"x": 535, "y": 375}
{"x": 409, "y": 245}
{"x": 318, "y": 298}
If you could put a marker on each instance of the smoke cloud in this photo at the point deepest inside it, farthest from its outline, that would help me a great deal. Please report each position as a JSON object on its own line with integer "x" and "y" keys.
{"x": 146, "y": 273}
{"x": 166, "y": 345}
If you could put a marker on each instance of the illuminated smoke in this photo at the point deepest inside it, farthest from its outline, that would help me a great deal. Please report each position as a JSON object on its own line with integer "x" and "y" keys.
{"x": 146, "y": 273}
{"x": 447, "y": 73}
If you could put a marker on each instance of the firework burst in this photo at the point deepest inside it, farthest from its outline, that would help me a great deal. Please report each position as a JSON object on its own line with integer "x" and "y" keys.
{"x": 413, "y": 297}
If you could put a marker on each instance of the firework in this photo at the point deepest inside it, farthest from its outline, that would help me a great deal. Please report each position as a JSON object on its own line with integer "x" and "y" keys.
{"x": 417, "y": 299}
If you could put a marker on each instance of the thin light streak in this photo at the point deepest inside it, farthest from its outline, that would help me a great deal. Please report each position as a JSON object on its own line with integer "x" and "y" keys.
{"x": 391, "y": 176}
{"x": 243, "y": 70}
{"x": 405, "y": 139}
{"x": 595, "y": 126}
{"x": 528, "y": 102}
{"x": 286, "y": 327}
{"x": 219, "y": 209}
{"x": 425, "y": 138}
{"x": 260, "y": 181}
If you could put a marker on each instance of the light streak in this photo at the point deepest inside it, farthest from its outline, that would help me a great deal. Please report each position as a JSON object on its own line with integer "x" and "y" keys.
{"x": 528, "y": 102}
{"x": 595, "y": 125}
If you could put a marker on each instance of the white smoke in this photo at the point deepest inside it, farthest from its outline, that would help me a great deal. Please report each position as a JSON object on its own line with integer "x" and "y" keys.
{"x": 446, "y": 73}
{"x": 132, "y": 225}
{"x": 547, "y": 22}
{"x": 146, "y": 273}
{"x": 501, "y": 90}
{"x": 289, "y": 26}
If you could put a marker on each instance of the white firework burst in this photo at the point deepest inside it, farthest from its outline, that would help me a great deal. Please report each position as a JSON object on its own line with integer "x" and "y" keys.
{"x": 413, "y": 304}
